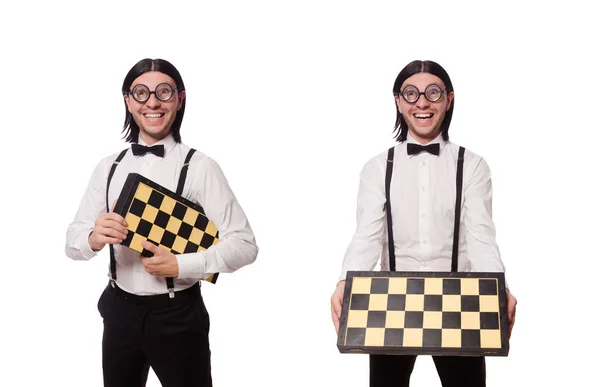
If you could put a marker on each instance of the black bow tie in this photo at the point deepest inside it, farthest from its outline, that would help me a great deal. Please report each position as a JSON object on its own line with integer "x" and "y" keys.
{"x": 415, "y": 149}
{"x": 139, "y": 150}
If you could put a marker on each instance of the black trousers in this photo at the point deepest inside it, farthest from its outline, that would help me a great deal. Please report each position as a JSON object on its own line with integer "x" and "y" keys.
{"x": 168, "y": 334}
{"x": 454, "y": 371}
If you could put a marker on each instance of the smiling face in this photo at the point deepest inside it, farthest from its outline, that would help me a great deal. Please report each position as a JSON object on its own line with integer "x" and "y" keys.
{"x": 154, "y": 117}
{"x": 423, "y": 117}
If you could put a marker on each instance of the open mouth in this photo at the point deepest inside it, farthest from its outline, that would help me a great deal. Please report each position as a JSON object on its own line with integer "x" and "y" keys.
{"x": 154, "y": 115}
{"x": 423, "y": 116}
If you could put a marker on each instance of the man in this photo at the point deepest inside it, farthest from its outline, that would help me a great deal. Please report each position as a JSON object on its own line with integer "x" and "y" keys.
{"x": 144, "y": 325}
{"x": 423, "y": 188}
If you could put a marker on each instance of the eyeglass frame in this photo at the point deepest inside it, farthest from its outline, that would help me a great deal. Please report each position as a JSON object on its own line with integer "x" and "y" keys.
{"x": 422, "y": 93}
{"x": 173, "y": 91}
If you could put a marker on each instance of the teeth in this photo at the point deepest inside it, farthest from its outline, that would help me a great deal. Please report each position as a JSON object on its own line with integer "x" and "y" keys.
{"x": 423, "y": 115}
{"x": 157, "y": 115}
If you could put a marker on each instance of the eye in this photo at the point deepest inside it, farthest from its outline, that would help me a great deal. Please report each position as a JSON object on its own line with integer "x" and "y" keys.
{"x": 433, "y": 92}
{"x": 140, "y": 92}
{"x": 164, "y": 91}
{"x": 411, "y": 93}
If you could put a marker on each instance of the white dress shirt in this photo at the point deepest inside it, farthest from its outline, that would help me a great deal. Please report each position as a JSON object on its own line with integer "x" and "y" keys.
{"x": 205, "y": 185}
{"x": 422, "y": 197}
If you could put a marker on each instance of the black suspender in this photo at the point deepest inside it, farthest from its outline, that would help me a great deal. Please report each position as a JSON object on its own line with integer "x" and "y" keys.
{"x": 459, "y": 181}
{"x": 388, "y": 211}
{"x": 182, "y": 177}
{"x": 180, "y": 185}
{"x": 113, "y": 262}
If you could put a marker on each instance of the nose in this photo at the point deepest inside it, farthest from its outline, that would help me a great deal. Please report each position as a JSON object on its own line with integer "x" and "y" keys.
{"x": 152, "y": 101}
{"x": 422, "y": 102}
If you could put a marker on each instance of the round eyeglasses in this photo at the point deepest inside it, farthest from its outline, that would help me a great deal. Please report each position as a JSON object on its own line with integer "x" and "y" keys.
{"x": 163, "y": 92}
{"x": 432, "y": 93}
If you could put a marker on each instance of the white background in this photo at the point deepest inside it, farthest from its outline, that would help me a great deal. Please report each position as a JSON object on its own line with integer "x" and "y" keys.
{"x": 292, "y": 98}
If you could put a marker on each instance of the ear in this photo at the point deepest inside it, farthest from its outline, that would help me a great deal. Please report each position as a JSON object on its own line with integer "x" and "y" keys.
{"x": 450, "y": 99}
{"x": 126, "y": 97}
{"x": 397, "y": 98}
{"x": 181, "y": 98}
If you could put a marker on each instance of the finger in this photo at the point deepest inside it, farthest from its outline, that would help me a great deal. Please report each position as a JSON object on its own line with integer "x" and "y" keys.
{"x": 113, "y": 206}
{"x": 336, "y": 305}
{"x": 150, "y": 247}
{"x": 113, "y": 216}
{"x": 336, "y": 320}
{"x": 111, "y": 232}
{"x": 103, "y": 239}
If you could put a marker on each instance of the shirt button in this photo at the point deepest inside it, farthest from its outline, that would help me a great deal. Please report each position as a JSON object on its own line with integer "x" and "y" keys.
{"x": 423, "y": 163}
{"x": 423, "y": 189}
{"x": 424, "y": 242}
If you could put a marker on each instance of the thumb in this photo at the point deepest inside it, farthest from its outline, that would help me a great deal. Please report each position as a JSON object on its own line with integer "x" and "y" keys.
{"x": 150, "y": 246}
{"x": 113, "y": 206}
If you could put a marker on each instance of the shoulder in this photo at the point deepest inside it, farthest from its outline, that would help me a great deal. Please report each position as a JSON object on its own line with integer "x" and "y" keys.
{"x": 378, "y": 162}
{"x": 200, "y": 162}
{"x": 475, "y": 165}
{"x": 104, "y": 165}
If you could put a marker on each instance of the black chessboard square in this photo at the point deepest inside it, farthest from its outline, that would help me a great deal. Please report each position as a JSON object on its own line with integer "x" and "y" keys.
{"x": 356, "y": 336}
{"x": 433, "y": 302}
{"x": 413, "y": 319}
{"x": 185, "y": 230}
{"x": 469, "y": 303}
{"x": 432, "y": 338}
{"x": 359, "y": 302}
{"x": 451, "y": 320}
{"x": 144, "y": 228}
{"x": 396, "y": 302}
{"x": 190, "y": 247}
{"x": 376, "y": 319}
{"x": 162, "y": 219}
{"x": 137, "y": 207}
{"x": 179, "y": 211}
{"x": 201, "y": 223}
{"x": 156, "y": 199}
{"x": 207, "y": 240}
{"x": 415, "y": 286}
{"x": 393, "y": 337}
{"x": 451, "y": 286}
{"x": 470, "y": 338}
{"x": 487, "y": 287}
{"x": 489, "y": 320}
{"x": 168, "y": 239}
{"x": 379, "y": 285}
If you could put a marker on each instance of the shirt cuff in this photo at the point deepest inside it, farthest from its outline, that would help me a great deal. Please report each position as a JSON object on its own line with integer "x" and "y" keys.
{"x": 84, "y": 245}
{"x": 191, "y": 265}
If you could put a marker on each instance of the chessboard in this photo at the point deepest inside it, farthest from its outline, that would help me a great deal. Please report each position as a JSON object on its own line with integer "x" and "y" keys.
{"x": 164, "y": 218}
{"x": 424, "y": 313}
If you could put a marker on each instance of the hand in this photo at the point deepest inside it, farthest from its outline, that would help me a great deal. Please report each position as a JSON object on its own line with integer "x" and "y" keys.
{"x": 162, "y": 264}
{"x": 109, "y": 228}
{"x": 511, "y": 305}
{"x": 336, "y": 304}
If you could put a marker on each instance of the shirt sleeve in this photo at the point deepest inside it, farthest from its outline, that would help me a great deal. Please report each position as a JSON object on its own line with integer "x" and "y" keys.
{"x": 237, "y": 246}
{"x": 366, "y": 245}
{"x": 480, "y": 232}
{"x": 92, "y": 205}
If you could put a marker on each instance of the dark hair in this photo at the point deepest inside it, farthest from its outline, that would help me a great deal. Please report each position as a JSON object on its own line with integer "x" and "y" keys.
{"x": 130, "y": 127}
{"x": 414, "y": 67}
